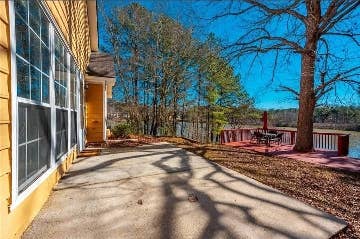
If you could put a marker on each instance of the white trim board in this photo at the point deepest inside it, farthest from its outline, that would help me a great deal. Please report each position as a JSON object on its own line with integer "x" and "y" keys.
{"x": 16, "y": 197}
{"x": 14, "y": 106}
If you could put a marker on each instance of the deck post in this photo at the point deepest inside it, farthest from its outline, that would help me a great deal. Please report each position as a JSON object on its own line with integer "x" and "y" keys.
{"x": 233, "y": 136}
{"x": 343, "y": 145}
{"x": 292, "y": 137}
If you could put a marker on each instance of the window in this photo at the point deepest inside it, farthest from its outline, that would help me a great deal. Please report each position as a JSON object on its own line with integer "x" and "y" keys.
{"x": 81, "y": 104}
{"x": 61, "y": 133}
{"x": 61, "y": 76}
{"x": 73, "y": 84}
{"x": 37, "y": 46}
{"x": 33, "y": 143}
{"x": 73, "y": 128}
{"x": 32, "y": 51}
{"x": 33, "y": 70}
{"x": 74, "y": 78}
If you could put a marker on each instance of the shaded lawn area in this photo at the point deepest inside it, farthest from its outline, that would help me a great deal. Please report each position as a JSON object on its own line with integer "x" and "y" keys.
{"x": 331, "y": 190}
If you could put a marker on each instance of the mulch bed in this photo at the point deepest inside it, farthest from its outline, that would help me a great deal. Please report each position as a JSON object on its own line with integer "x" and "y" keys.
{"x": 331, "y": 190}
{"x": 131, "y": 141}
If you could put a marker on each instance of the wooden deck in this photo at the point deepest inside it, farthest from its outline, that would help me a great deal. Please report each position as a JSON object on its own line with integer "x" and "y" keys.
{"x": 323, "y": 157}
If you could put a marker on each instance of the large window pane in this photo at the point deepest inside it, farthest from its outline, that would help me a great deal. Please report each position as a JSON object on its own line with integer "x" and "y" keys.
{"x": 63, "y": 97}
{"x": 59, "y": 51}
{"x": 35, "y": 17}
{"x": 44, "y": 29}
{"x": 22, "y": 164}
{"x": 32, "y": 124}
{"x": 57, "y": 93}
{"x": 61, "y": 81}
{"x": 73, "y": 128}
{"x": 45, "y": 89}
{"x": 32, "y": 158}
{"x": 21, "y": 8}
{"x": 22, "y": 125}
{"x": 45, "y": 138}
{"x": 61, "y": 132}
{"x": 44, "y": 152}
{"x": 64, "y": 141}
{"x": 72, "y": 90}
{"x": 23, "y": 83}
{"x": 22, "y": 38}
{"x": 45, "y": 59}
{"x": 81, "y": 104}
{"x": 61, "y": 74}
{"x": 35, "y": 52}
{"x": 44, "y": 122}
{"x": 35, "y": 84}
{"x": 34, "y": 152}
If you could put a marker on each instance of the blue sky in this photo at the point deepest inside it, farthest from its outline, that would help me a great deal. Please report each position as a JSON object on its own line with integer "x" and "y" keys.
{"x": 257, "y": 79}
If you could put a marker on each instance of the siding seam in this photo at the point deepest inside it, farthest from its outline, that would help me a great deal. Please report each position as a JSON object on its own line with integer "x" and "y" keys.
{"x": 4, "y": 147}
{"x": 4, "y": 174}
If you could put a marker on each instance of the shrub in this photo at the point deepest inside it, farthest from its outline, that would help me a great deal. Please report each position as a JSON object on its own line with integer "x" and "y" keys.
{"x": 122, "y": 130}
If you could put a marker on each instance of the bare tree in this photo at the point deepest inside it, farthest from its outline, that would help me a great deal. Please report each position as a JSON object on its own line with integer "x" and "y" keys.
{"x": 305, "y": 27}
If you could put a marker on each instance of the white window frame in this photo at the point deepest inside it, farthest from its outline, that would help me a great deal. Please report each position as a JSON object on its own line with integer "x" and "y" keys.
{"x": 81, "y": 99}
{"x": 16, "y": 197}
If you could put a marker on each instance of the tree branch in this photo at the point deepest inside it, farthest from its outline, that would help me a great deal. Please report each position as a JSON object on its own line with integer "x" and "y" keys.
{"x": 352, "y": 36}
{"x": 337, "y": 10}
{"x": 340, "y": 77}
{"x": 286, "y": 10}
{"x": 291, "y": 90}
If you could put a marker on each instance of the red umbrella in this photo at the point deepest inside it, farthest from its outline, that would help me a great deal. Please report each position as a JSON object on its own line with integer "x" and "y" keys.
{"x": 265, "y": 120}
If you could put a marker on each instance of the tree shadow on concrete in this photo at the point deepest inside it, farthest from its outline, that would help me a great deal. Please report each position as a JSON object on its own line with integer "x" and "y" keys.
{"x": 180, "y": 177}
{"x": 209, "y": 205}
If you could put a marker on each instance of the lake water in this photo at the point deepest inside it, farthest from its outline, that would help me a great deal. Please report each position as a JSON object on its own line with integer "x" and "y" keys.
{"x": 354, "y": 150}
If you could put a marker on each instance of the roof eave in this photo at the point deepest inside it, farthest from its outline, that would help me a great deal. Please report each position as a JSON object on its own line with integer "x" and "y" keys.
{"x": 93, "y": 25}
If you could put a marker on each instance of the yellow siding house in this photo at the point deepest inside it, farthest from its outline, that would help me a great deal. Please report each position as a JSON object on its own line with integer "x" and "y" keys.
{"x": 51, "y": 102}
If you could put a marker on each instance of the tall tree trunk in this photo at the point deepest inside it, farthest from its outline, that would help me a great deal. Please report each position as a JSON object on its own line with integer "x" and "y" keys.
{"x": 175, "y": 111}
{"x": 304, "y": 140}
{"x": 307, "y": 99}
{"x": 208, "y": 124}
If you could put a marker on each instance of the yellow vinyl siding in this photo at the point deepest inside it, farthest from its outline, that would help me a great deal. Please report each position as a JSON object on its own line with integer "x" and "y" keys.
{"x": 5, "y": 166}
{"x": 5, "y": 111}
{"x": 72, "y": 19}
{"x": 5, "y": 186}
{"x": 4, "y": 12}
{"x": 4, "y": 59}
{"x": 4, "y": 107}
{"x": 4, "y": 86}
{"x": 71, "y": 16}
{"x": 95, "y": 113}
{"x": 3, "y": 37}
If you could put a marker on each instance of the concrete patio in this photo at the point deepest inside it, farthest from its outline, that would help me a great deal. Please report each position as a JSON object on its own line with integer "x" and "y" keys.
{"x": 143, "y": 192}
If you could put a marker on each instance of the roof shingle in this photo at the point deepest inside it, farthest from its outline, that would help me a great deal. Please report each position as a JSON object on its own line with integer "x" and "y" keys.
{"x": 101, "y": 64}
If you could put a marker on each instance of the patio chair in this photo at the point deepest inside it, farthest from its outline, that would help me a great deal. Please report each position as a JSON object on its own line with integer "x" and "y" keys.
{"x": 277, "y": 138}
{"x": 258, "y": 137}
{"x": 253, "y": 136}
{"x": 272, "y": 131}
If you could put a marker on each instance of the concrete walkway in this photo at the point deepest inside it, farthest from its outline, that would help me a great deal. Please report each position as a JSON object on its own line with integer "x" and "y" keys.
{"x": 144, "y": 192}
